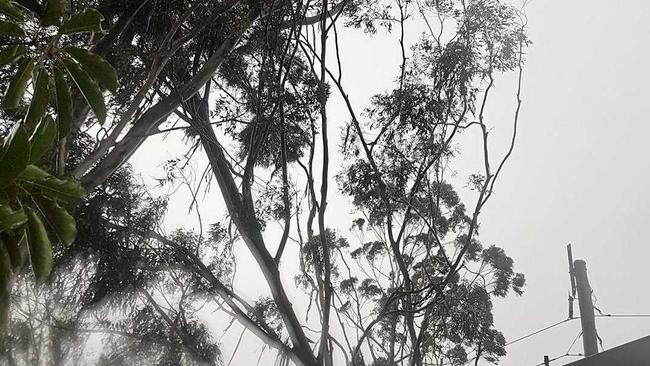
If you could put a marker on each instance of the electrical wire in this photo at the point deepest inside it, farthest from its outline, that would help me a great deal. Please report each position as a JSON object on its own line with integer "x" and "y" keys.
{"x": 601, "y": 315}
{"x": 574, "y": 342}
{"x": 567, "y": 354}
{"x": 540, "y": 331}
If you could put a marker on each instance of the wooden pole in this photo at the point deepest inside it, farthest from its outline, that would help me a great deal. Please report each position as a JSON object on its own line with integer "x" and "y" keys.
{"x": 587, "y": 319}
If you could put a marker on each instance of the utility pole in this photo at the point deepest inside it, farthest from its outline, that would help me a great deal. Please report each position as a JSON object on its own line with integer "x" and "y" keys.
{"x": 547, "y": 362}
{"x": 589, "y": 336}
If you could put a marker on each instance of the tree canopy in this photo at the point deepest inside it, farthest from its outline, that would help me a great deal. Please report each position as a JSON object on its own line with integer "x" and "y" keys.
{"x": 247, "y": 87}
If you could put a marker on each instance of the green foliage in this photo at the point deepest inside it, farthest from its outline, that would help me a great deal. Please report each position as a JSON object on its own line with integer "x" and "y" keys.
{"x": 11, "y": 54}
{"x": 36, "y": 206}
{"x": 10, "y": 9}
{"x": 85, "y": 21}
{"x": 10, "y": 219}
{"x": 18, "y": 84}
{"x": 98, "y": 68}
{"x": 42, "y": 139}
{"x": 11, "y": 29}
{"x": 63, "y": 103}
{"x": 38, "y": 104}
{"x": 53, "y": 12}
{"x": 40, "y": 248}
{"x": 14, "y": 156}
{"x": 88, "y": 87}
{"x": 59, "y": 219}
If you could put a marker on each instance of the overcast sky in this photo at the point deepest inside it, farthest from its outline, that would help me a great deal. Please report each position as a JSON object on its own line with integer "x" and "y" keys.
{"x": 580, "y": 172}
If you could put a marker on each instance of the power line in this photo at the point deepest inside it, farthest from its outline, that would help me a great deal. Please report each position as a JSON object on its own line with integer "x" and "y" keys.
{"x": 535, "y": 333}
{"x": 567, "y": 354}
{"x": 601, "y": 315}
{"x": 574, "y": 342}
{"x": 540, "y": 331}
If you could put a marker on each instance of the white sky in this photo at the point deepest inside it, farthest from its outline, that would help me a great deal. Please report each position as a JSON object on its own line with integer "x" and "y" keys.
{"x": 580, "y": 172}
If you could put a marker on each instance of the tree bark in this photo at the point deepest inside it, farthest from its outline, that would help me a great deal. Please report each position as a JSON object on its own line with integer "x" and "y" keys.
{"x": 249, "y": 228}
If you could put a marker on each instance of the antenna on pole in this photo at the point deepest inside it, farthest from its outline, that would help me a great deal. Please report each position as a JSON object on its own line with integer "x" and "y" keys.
{"x": 572, "y": 277}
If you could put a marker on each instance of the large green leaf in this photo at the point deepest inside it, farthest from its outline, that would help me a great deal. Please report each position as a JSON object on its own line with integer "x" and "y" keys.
{"x": 53, "y": 13}
{"x": 89, "y": 89}
{"x": 38, "y": 105}
{"x": 39, "y": 182}
{"x": 5, "y": 272}
{"x": 11, "y": 29}
{"x": 63, "y": 103}
{"x": 10, "y": 219}
{"x": 67, "y": 190}
{"x": 59, "y": 220}
{"x": 14, "y": 156}
{"x": 40, "y": 248}
{"x": 14, "y": 242}
{"x": 88, "y": 20}
{"x": 42, "y": 139}
{"x": 11, "y": 54}
{"x": 31, "y": 5}
{"x": 18, "y": 84}
{"x": 98, "y": 68}
{"x": 33, "y": 173}
{"x": 10, "y": 9}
